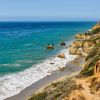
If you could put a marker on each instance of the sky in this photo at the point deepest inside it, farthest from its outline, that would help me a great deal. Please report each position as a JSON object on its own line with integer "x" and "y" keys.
{"x": 49, "y": 10}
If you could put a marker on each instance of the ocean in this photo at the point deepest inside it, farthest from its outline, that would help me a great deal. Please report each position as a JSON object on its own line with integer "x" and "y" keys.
{"x": 24, "y": 58}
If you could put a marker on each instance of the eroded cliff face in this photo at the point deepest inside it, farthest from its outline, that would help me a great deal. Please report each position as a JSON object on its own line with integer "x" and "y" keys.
{"x": 87, "y": 45}
{"x": 88, "y": 89}
{"x": 84, "y": 45}
{"x": 82, "y": 36}
{"x": 81, "y": 47}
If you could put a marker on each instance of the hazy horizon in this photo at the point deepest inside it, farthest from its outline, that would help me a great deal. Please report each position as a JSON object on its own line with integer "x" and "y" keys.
{"x": 49, "y": 10}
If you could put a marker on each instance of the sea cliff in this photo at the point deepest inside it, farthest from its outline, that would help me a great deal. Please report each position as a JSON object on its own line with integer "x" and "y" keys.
{"x": 86, "y": 84}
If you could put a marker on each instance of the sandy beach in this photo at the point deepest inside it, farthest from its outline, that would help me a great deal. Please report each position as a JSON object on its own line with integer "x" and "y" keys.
{"x": 72, "y": 68}
{"x": 49, "y": 50}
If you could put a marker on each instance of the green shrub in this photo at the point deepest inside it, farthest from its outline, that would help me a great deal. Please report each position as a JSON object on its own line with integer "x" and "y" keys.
{"x": 57, "y": 95}
{"x": 39, "y": 96}
{"x": 91, "y": 60}
{"x": 87, "y": 71}
{"x": 95, "y": 51}
{"x": 95, "y": 31}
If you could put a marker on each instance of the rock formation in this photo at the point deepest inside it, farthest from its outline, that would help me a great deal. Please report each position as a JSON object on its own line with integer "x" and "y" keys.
{"x": 50, "y": 47}
{"x": 63, "y": 43}
{"x": 75, "y": 51}
{"x": 62, "y": 55}
{"x": 96, "y": 26}
{"x": 82, "y": 36}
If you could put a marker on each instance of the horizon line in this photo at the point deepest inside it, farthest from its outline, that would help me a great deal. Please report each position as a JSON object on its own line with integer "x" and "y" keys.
{"x": 49, "y": 20}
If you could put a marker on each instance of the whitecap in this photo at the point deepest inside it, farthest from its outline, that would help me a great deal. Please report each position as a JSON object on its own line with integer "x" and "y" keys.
{"x": 10, "y": 65}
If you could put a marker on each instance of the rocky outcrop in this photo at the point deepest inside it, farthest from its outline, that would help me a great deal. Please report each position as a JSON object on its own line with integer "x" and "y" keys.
{"x": 96, "y": 26}
{"x": 83, "y": 44}
{"x": 76, "y": 48}
{"x": 82, "y": 36}
{"x": 80, "y": 47}
{"x": 76, "y": 44}
{"x": 75, "y": 51}
{"x": 87, "y": 45}
{"x": 62, "y": 55}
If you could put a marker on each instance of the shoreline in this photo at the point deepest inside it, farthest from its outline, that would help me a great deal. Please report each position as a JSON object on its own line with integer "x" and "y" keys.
{"x": 73, "y": 66}
{"x": 22, "y": 80}
{"x": 13, "y": 84}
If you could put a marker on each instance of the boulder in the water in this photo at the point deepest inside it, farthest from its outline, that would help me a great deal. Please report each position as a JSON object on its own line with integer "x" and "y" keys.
{"x": 62, "y": 55}
{"x": 63, "y": 43}
{"x": 50, "y": 46}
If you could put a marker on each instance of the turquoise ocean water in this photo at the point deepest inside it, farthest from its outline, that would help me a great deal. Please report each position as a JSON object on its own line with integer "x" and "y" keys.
{"x": 22, "y": 46}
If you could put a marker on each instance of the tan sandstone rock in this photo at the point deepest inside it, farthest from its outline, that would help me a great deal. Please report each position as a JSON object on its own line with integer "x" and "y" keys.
{"x": 82, "y": 36}
{"x": 75, "y": 51}
{"x": 62, "y": 55}
{"x": 76, "y": 44}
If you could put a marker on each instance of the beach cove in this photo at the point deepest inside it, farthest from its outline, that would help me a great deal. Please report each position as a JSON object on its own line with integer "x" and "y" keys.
{"x": 20, "y": 79}
{"x": 84, "y": 85}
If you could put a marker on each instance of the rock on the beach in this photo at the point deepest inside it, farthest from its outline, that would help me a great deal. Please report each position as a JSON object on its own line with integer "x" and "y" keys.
{"x": 62, "y": 55}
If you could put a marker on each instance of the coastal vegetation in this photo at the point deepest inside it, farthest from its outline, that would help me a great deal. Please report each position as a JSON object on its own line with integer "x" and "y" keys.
{"x": 56, "y": 91}
{"x": 86, "y": 85}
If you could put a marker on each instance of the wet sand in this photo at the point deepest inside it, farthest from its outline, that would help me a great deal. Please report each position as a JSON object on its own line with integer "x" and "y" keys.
{"x": 71, "y": 68}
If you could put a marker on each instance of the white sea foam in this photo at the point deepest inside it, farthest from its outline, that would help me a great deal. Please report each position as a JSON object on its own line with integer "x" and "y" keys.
{"x": 10, "y": 65}
{"x": 14, "y": 83}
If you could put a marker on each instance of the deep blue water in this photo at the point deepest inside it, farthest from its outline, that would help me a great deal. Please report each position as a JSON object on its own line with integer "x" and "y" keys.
{"x": 22, "y": 44}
